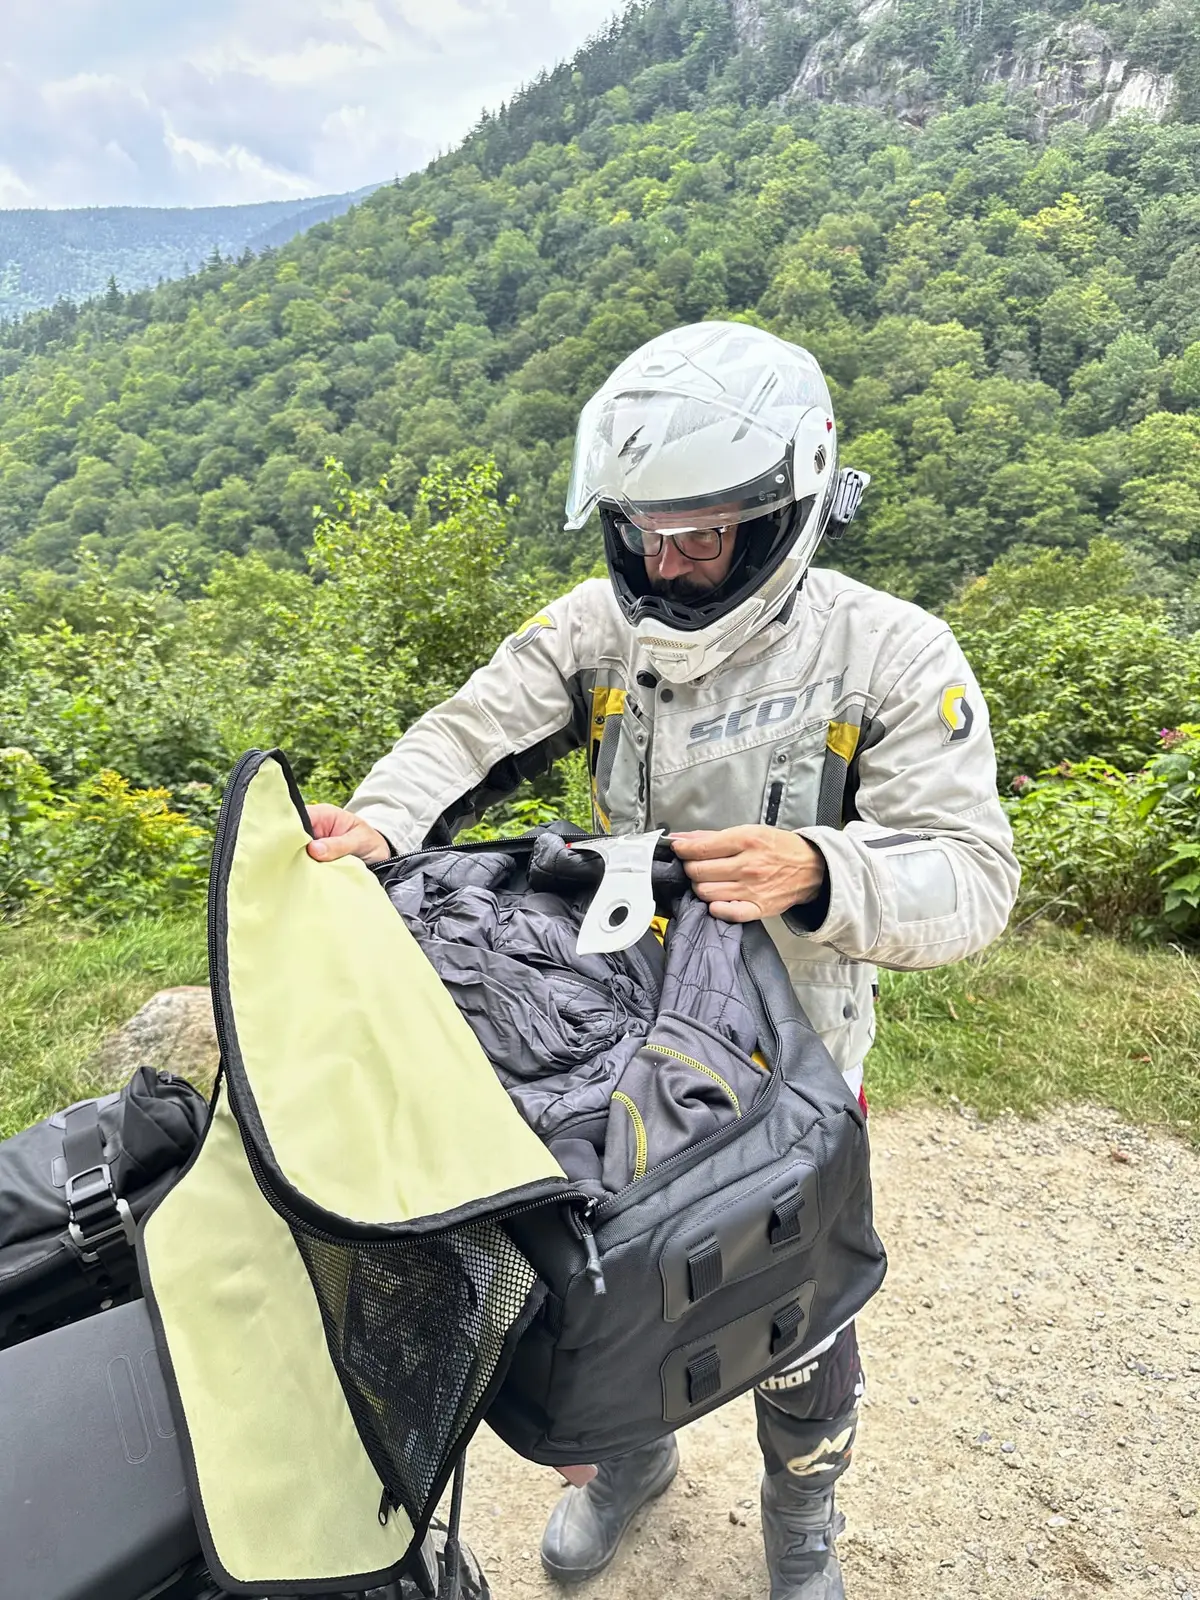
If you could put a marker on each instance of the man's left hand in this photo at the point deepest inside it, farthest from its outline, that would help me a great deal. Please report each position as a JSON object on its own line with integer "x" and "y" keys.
{"x": 748, "y": 873}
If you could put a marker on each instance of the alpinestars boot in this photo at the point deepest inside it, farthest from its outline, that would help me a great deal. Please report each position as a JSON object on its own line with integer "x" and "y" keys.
{"x": 585, "y": 1528}
{"x": 799, "y": 1528}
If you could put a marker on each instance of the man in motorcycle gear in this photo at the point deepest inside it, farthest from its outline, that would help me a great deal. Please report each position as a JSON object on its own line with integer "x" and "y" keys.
{"x": 819, "y": 751}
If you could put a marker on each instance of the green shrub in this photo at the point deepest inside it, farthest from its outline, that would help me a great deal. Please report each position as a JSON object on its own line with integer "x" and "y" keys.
{"x": 110, "y": 851}
{"x": 1091, "y": 681}
{"x": 1114, "y": 852}
{"x": 25, "y": 798}
{"x": 1175, "y": 776}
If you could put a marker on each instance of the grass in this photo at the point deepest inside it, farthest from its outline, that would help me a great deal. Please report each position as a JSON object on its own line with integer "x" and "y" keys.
{"x": 1039, "y": 1020}
{"x": 1043, "y": 1019}
{"x": 63, "y": 990}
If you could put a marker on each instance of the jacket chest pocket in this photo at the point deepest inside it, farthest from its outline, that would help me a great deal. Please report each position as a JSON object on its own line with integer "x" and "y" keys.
{"x": 808, "y": 778}
{"x": 792, "y": 786}
{"x": 617, "y": 747}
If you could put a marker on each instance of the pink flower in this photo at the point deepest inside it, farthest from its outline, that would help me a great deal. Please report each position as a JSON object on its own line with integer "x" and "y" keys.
{"x": 1019, "y": 785}
{"x": 1170, "y": 737}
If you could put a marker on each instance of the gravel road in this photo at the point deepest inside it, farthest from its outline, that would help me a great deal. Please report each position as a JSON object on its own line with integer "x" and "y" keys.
{"x": 1032, "y": 1421}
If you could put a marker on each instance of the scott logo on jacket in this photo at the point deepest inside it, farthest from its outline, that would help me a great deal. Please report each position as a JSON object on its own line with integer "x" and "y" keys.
{"x": 770, "y": 713}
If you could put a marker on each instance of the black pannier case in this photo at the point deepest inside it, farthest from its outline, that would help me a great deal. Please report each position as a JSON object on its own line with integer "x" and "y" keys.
{"x": 93, "y": 1504}
{"x": 72, "y": 1189}
{"x": 713, "y": 1269}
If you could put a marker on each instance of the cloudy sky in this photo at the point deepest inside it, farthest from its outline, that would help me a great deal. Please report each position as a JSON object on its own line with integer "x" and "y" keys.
{"x": 216, "y": 102}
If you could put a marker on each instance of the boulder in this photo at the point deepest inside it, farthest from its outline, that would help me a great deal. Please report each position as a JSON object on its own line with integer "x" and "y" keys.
{"x": 174, "y": 1032}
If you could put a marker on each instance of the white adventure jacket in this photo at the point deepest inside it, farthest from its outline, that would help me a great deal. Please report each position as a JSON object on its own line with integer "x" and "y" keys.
{"x": 854, "y": 720}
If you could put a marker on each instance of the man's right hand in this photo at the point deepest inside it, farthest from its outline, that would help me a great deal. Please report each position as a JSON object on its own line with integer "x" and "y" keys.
{"x": 338, "y": 833}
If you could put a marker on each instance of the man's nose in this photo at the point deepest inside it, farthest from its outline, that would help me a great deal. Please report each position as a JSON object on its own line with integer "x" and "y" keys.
{"x": 672, "y": 563}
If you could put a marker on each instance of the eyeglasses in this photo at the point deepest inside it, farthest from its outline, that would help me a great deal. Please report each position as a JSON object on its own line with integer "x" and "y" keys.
{"x": 703, "y": 544}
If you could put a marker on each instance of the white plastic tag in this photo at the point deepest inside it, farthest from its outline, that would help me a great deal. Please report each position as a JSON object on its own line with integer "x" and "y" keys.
{"x": 623, "y": 906}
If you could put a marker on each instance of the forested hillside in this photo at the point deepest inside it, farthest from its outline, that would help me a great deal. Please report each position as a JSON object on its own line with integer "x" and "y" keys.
{"x": 1010, "y": 322}
{"x": 54, "y": 255}
{"x": 1013, "y": 330}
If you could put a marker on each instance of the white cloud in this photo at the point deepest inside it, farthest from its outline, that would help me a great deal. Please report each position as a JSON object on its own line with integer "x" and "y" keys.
{"x": 14, "y": 191}
{"x": 233, "y": 100}
{"x": 238, "y": 174}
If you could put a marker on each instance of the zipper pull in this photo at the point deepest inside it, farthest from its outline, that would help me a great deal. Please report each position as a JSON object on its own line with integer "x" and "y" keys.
{"x": 387, "y": 1504}
{"x": 595, "y": 1269}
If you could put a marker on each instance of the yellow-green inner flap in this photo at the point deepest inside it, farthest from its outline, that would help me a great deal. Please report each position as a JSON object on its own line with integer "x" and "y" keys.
{"x": 286, "y": 1488}
{"x": 378, "y": 1102}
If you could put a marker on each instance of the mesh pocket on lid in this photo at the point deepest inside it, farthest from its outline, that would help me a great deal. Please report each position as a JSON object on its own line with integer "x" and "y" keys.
{"x": 416, "y": 1330}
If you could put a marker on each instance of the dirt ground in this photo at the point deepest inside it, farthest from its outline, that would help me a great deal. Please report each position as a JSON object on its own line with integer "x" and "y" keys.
{"x": 1032, "y": 1420}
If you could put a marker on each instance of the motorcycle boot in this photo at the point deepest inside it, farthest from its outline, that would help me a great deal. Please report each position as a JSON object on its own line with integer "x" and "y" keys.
{"x": 800, "y": 1526}
{"x": 586, "y": 1526}
{"x": 807, "y": 1420}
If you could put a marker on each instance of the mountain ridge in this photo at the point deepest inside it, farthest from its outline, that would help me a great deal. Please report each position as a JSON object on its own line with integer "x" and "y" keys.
{"x": 51, "y": 253}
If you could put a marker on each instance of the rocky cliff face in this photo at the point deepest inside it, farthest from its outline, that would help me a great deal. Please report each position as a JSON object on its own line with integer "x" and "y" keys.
{"x": 1074, "y": 73}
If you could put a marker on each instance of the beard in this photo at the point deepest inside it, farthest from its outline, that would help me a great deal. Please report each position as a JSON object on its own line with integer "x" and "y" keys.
{"x": 681, "y": 589}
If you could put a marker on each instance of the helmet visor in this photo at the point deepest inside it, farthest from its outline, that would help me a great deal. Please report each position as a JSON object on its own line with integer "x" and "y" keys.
{"x": 673, "y": 463}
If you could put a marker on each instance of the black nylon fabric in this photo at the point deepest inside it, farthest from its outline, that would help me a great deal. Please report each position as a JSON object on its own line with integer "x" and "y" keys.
{"x": 148, "y": 1131}
{"x": 614, "y": 1060}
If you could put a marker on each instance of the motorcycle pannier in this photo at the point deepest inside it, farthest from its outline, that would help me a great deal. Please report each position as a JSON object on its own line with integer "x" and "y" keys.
{"x": 377, "y": 1246}
{"x": 71, "y": 1190}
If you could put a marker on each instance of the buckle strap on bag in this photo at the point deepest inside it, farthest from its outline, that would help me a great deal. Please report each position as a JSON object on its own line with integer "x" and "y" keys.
{"x": 100, "y": 1224}
{"x": 785, "y": 1326}
{"x": 704, "y": 1375}
{"x": 705, "y": 1270}
{"x": 785, "y": 1218}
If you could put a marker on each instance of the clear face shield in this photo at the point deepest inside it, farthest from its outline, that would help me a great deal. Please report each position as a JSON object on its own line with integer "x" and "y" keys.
{"x": 637, "y": 451}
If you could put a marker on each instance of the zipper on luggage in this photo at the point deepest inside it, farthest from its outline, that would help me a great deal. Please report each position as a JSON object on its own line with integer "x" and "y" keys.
{"x": 581, "y": 1220}
{"x": 579, "y": 1210}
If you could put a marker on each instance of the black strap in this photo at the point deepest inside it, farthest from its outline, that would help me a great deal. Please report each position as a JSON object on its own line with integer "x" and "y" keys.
{"x": 705, "y": 1270}
{"x": 99, "y": 1225}
{"x": 786, "y": 1326}
{"x": 785, "y": 1218}
{"x": 704, "y": 1375}
{"x": 451, "y": 1587}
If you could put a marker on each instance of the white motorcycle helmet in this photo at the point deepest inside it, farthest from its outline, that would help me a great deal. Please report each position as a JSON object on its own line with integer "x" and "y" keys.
{"x": 716, "y": 425}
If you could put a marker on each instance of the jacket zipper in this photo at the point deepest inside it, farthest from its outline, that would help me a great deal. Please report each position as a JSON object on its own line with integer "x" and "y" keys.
{"x": 639, "y": 1133}
{"x": 690, "y": 1061}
